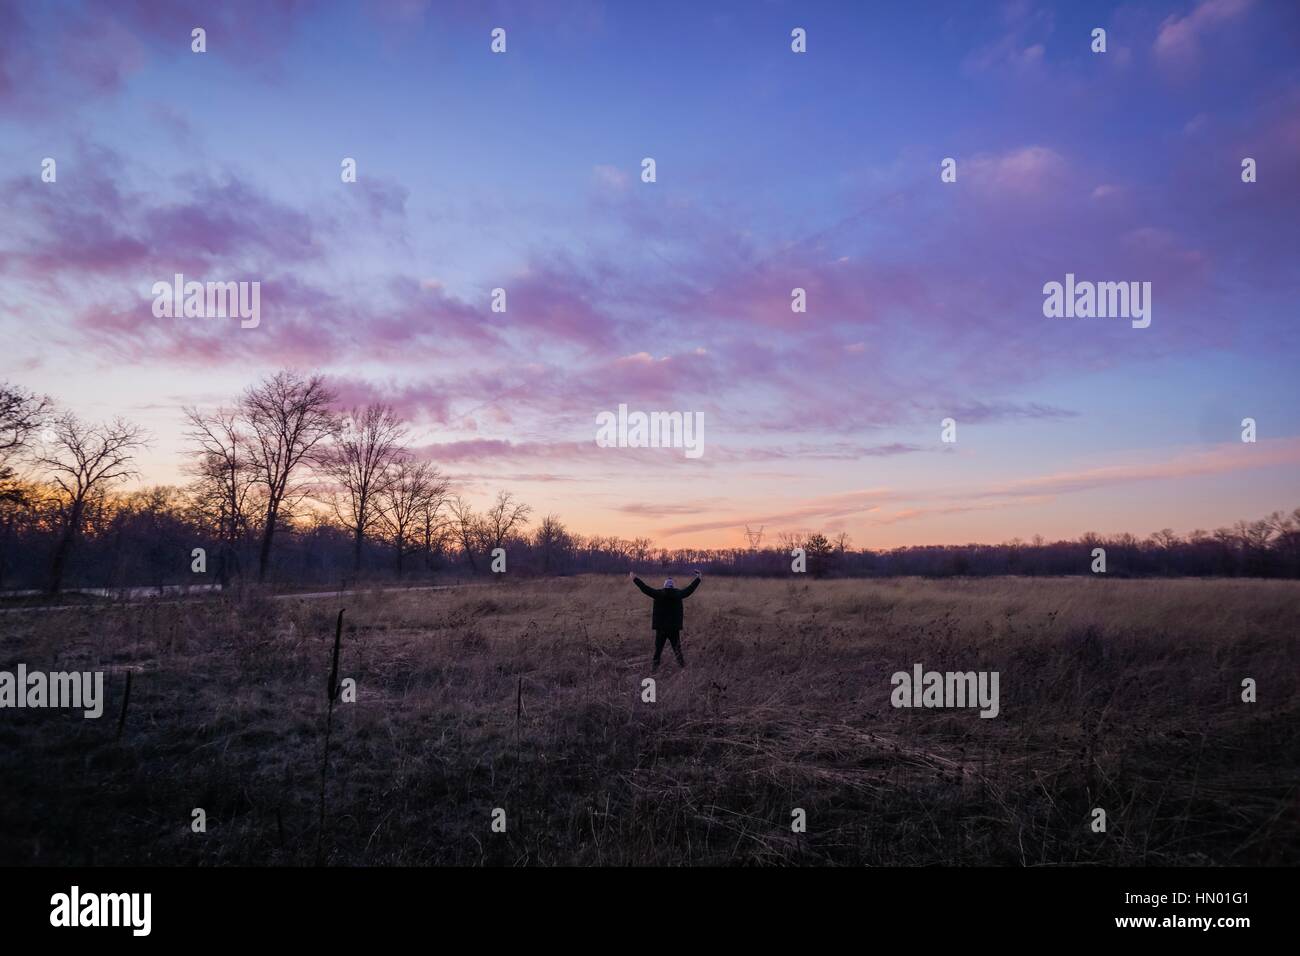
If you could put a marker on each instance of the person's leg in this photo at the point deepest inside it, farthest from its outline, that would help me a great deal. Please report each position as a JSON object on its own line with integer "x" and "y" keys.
{"x": 660, "y": 637}
{"x": 676, "y": 638}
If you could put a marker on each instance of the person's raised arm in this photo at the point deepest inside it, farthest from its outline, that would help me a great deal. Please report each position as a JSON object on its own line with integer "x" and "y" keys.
{"x": 645, "y": 588}
{"x": 690, "y": 588}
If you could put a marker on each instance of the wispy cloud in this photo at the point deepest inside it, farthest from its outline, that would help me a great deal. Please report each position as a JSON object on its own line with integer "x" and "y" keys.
{"x": 1178, "y": 42}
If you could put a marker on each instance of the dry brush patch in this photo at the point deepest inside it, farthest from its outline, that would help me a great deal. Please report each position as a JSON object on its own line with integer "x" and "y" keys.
{"x": 527, "y": 696}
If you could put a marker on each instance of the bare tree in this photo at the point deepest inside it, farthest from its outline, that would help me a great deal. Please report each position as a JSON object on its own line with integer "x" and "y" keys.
{"x": 83, "y": 461}
{"x": 787, "y": 541}
{"x": 466, "y": 528}
{"x": 553, "y": 541}
{"x": 1287, "y": 528}
{"x": 502, "y": 518}
{"x": 288, "y": 417}
{"x": 407, "y": 503}
{"x": 224, "y": 480}
{"x": 21, "y": 414}
{"x": 367, "y": 442}
{"x": 436, "y": 534}
{"x": 1166, "y": 539}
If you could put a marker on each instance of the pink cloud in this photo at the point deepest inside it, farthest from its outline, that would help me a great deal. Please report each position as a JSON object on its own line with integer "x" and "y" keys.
{"x": 1025, "y": 172}
{"x": 937, "y": 313}
{"x": 1217, "y": 460}
{"x": 51, "y": 58}
{"x": 1178, "y": 42}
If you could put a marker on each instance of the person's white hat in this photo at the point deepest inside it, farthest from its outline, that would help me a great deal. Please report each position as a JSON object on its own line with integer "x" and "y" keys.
{"x": 668, "y": 583}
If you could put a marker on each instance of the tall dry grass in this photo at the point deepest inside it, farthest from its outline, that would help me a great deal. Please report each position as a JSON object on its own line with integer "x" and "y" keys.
{"x": 1123, "y": 695}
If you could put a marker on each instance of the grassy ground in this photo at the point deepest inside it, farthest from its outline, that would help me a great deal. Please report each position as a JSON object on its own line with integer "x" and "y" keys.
{"x": 1123, "y": 695}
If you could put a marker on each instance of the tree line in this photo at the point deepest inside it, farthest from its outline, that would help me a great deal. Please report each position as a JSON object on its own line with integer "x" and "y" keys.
{"x": 286, "y": 486}
{"x": 283, "y": 484}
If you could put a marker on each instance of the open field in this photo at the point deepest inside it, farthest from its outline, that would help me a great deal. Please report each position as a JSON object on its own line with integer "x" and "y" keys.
{"x": 1124, "y": 695}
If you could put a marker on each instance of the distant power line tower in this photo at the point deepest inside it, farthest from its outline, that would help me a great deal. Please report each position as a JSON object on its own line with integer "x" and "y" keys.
{"x": 754, "y": 536}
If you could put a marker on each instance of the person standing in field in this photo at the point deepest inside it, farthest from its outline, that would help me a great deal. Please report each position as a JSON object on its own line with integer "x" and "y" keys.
{"x": 666, "y": 618}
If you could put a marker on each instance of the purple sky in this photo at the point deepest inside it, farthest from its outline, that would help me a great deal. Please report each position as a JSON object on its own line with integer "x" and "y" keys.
{"x": 775, "y": 170}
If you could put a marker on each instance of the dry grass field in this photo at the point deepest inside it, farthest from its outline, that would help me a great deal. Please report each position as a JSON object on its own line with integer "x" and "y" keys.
{"x": 1124, "y": 695}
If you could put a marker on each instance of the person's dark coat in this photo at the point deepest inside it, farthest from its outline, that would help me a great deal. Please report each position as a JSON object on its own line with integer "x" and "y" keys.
{"x": 667, "y": 615}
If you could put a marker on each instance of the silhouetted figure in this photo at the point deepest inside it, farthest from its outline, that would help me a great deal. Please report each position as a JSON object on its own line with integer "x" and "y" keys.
{"x": 667, "y": 616}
